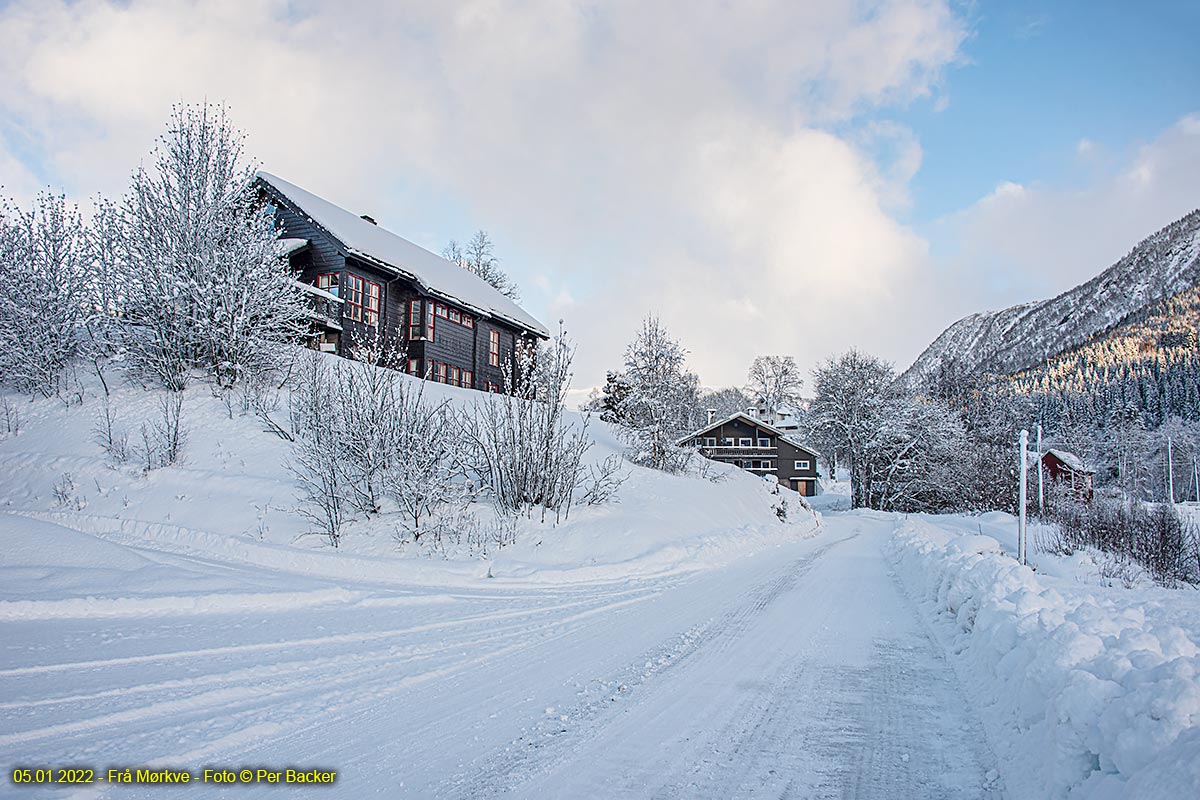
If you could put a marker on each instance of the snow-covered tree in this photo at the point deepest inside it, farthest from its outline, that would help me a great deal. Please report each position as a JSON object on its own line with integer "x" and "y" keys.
{"x": 207, "y": 288}
{"x": 853, "y": 402}
{"x": 479, "y": 257}
{"x": 44, "y": 281}
{"x": 774, "y": 381}
{"x": 663, "y": 402}
{"x": 726, "y": 402}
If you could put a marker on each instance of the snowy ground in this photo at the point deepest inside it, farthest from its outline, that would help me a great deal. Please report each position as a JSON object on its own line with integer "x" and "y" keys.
{"x": 680, "y": 643}
{"x": 800, "y": 671}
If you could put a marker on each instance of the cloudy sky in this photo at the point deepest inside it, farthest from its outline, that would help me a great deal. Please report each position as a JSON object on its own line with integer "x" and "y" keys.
{"x": 767, "y": 177}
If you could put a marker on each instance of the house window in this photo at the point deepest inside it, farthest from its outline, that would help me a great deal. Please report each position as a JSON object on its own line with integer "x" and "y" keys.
{"x": 710, "y": 441}
{"x": 414, "y": 366}
{"x": 802, "y": 464}
{"x": 455, "y": 376}
{"x": 441, "y": 372}
{"x": 745, "y": 442}
{"x": 494, "y": 348}
{"x": 440, "y": 310}
{"x": 748, "y": 464}
{"x": 492, "y": 387}
{"x": 456, "y": 316}
{"x": 414, "y": 320}
{"x": 362, "y": 300}
{"x": 764, "y": 442}
{"x": 468, "y": 379}
{"x": 468, "y": 320}
{"x": 728, "y": 441}
{"x": 329, "y": 282}
{"x": 429, "y": 320}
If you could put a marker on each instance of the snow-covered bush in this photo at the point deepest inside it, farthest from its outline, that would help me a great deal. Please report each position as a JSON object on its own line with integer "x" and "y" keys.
{"x": 44, "y": 278}
{"x": 1154, "y": 536}
{"x": 317, "y": 460}
{"x": 518, "y": 445}
{"x": 206, "y": 287}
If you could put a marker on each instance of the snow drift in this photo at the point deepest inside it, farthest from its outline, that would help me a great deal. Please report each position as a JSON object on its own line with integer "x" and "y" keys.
{"x": 1084, "y": 695}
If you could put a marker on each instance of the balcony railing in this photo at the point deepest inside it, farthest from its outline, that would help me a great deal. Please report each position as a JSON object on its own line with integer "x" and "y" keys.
{"x": 737, "y": 451}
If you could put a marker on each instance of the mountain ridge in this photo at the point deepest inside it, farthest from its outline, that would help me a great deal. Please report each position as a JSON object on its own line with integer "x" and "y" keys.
{"x": 1017, "y": 338}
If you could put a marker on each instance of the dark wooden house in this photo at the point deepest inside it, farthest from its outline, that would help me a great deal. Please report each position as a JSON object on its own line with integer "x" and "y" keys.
{"x": 1069, "y": 470}
{"x": 362, "y": 279}
{"x": 755, "y": 446}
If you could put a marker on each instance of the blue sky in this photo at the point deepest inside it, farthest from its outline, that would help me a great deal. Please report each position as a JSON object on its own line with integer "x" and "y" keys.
{"x": 1037, "y": 78}
{"x": 777, "y": 177}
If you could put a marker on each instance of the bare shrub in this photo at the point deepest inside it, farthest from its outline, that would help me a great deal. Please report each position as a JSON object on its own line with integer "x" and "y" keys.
{"x": 602, "y": 481}
{"x": 163, "y": 438}
{"x": 114, "y": 440}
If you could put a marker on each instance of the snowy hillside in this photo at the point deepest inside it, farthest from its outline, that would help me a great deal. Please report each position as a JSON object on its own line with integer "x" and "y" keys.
{"x": 232, "y": 496}
{"x": 1017, "y": 338}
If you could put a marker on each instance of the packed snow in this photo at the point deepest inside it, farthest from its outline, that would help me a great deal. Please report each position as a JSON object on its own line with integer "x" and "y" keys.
{"x": 681, "y": 641}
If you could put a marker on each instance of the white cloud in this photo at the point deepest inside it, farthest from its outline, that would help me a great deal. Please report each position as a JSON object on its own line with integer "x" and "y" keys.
{"x": 1023, "y": 243}
{"x": 649, "y": 157}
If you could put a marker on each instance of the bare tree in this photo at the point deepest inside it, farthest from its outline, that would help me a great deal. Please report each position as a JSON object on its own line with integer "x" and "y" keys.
{"x": 775, "y": 381}
{"x": 479, "y": 256}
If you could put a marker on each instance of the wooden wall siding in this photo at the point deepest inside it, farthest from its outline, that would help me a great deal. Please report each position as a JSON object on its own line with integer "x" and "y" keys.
{"x": 453, "y": 343}
{"x": 783, "y": 456}
{"x": 324, "y": 252}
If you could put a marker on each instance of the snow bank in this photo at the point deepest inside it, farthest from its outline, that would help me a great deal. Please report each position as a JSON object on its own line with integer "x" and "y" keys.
{"x": 1084, "y": 696}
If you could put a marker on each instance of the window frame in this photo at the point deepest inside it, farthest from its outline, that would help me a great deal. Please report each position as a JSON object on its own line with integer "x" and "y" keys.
{"x": 414, "y": 320}
{"x": 745, "y": 441}
{"x": 429, "y": 316}
{"x": 494, "y": 348}
{"x": 807, "y": 462}
{"x": 333, "y": 285}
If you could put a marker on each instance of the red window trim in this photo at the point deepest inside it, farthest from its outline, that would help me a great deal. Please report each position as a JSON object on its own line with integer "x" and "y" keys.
{"x": 334, "y": 281}
{"x": 494, "y": 348}
{"x": 363, "y": 299}
{"x": 468, "y": 379}
{"x": 429, "y": 320}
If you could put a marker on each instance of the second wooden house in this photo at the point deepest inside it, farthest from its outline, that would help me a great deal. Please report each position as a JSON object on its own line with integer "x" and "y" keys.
{"x": 755, "y": 446}
{"x": 453, "y": 326}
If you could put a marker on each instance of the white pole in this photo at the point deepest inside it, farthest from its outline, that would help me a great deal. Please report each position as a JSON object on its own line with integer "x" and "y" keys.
{"x": 1041, "y": 490}
{"x": 1021, "y": 498}
{"x": 1196, "y": 478}
{"x": 1170, "y": 473}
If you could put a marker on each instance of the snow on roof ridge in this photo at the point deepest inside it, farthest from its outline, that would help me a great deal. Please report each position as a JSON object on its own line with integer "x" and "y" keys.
{"x": 717, "y": 423}
{"x": 378, "y": 244}
{"x": 1070, "y": 459}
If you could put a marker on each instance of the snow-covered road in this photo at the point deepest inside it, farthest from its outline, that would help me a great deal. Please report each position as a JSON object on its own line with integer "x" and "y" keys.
{"x": 803, "y": 671}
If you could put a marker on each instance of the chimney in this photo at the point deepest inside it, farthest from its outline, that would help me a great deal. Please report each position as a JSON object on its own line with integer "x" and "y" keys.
{"x": 712, "y": 414}
{"x": 369, "y": 219}
{"x": 752, "y": 412}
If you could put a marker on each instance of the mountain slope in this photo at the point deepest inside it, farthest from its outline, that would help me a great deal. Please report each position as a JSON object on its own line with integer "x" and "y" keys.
{"x": 1017, "y": 338}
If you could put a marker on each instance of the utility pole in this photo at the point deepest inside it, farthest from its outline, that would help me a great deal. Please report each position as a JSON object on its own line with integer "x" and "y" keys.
{"x": 1170, "y": 473}
{"x": 1041, "y": 489}
{"x": 1021, "y": 497}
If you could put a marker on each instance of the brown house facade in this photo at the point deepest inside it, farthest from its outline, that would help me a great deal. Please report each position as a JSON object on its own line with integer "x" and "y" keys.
{"x": 365, "y": 281}
{"x": 755, "y": 446}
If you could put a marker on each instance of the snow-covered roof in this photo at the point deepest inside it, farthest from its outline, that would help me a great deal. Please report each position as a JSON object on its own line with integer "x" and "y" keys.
{"x": 289, "y": 246}
{"x": 378, "y": 245}
{"x": 1071, "y": 460}
{"x": 752, "y": 421}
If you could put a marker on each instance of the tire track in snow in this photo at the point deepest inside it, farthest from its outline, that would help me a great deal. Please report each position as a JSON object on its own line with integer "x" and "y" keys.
{"x": 551, "y": 742}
